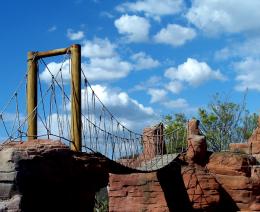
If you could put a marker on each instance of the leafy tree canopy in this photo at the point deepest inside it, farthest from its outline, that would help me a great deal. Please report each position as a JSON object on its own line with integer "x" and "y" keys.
{"x": 222, "y": 122}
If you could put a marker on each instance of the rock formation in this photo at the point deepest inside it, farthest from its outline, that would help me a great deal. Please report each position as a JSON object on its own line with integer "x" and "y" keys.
{"x": 45, "y": 175}
{"x": 196, "y": 181}
{"x": 48, "y": 176}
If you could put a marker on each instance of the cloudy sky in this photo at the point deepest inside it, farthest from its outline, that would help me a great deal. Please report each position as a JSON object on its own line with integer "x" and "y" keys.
{"x": 144, "y": 58}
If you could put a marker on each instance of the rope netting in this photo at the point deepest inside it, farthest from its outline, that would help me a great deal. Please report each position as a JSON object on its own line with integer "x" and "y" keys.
{"x": 102, "y": 132}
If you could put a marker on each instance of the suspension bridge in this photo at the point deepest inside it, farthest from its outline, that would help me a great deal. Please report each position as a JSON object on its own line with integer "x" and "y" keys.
{"x": 67, "y": 108}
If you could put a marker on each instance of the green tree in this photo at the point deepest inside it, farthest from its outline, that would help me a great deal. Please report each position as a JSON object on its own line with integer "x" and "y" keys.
{"x": 175, "y": 132}
{"x": 249, "y": 124}
{"x": 101, "y": 200}
{"x": 224, "y": 122}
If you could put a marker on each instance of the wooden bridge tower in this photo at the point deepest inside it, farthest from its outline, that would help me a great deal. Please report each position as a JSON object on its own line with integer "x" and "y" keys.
{"x": 33, "y": 57}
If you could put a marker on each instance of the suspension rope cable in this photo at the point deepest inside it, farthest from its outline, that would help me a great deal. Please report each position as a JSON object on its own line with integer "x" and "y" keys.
{"x": 101, "y": 130}
{"x": 87, "y": 82}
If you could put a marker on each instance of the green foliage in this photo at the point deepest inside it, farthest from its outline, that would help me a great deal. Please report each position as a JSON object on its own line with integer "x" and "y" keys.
{"x": 101, "y": 204}
{"x": 225, "y": 122}
{"x": 175, "y": 132}
{"x": 222, "y": 122}
{"x": 249, "y": 124}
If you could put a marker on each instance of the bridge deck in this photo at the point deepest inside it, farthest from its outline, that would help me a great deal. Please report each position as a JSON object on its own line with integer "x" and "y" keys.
{"x": 157, "y": 162}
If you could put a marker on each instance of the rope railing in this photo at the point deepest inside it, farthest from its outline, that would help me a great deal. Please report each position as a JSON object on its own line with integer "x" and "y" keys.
{"x": 18, "y": 130}
{"x": 11, "y": 115}
{"x": 101, "y": 130}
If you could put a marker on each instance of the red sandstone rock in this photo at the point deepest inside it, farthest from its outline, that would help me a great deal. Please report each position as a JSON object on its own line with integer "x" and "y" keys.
{"x": 238, "y": 175}
{"x": 142, "y": 192}
{"x": 43, "y": 175}
{"x": 255, "y": 175}
{"x": 234, "y": 182}
{"x": 255, "y": 207}
{"x": 256, "y": 145}
{"x": 197, "y": 146}
{"x": 240, "y": 196}
{"x": 233, "y": 173}
{"x": 252, "y": 146}
{"x": 193, "y": 127}
{"x": 254, "y": 142}
{"x": 201, "y": 186}
{"x": 255, "y": 135}
{"x": 153, "y": 142}
{"x": 240, "y": 147}
{"x": 117, "y": 193}
{"x": 138, "y": 192}
{"x": 228, "y": 163}
{"x": 197, "y": 149}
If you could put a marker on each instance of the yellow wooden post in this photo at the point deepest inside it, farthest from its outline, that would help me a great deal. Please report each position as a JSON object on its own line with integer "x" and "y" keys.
{"x": 75, "y": 51}
{"x": 32, "y": 96}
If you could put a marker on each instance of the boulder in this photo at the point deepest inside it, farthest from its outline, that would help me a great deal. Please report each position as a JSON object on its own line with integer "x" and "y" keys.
{"x": 230, "y": 163}
{"x": 45, "y": 175}
{"x": 240, "y": 148}
{"x": 197, "y": 149}
{"x": 234, "y": 182}
{"x": 256, "y": 146}
{"x": 255, "y": 206}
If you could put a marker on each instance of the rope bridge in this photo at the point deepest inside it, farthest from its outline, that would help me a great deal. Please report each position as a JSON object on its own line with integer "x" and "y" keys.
{"x": 62, "y": 104}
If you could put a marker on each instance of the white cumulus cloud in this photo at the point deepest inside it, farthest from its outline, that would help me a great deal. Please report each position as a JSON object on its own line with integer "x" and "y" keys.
{"x": 248, "y": 74}
{"x": 179, "y": 103}
{"x": 103, "y": 64}
{"x": 174, "y": 86}
{"x": 100, "y": 69}
{"x": 143, "y": 61}
{"x": 193, "y": 72}
{"x": 157, "y": 95}
{"x": 54, "y": 69}
{"x": 98, "y": 48}
{"x": 134, "y": 28}
{"x": 72, "y": 35}
{"x": 97, "y": 69}
{"x": 52, "y": 28}
{"x": 231, "y": 16}
{"x": 149, "y": 83}
{"x": 153, "y": 8}
{"x": 130, "y": 112}
{"x": 248, "y": 48}
{"x": 175, "y": 35}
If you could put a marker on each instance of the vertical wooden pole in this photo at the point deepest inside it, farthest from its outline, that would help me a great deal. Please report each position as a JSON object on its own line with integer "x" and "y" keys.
{"x": 76, "y": 97}
{"x": 32, "y": 96}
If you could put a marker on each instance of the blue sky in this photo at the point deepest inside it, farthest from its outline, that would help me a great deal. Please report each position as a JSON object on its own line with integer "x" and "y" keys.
{"x": 145, "y": 58}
